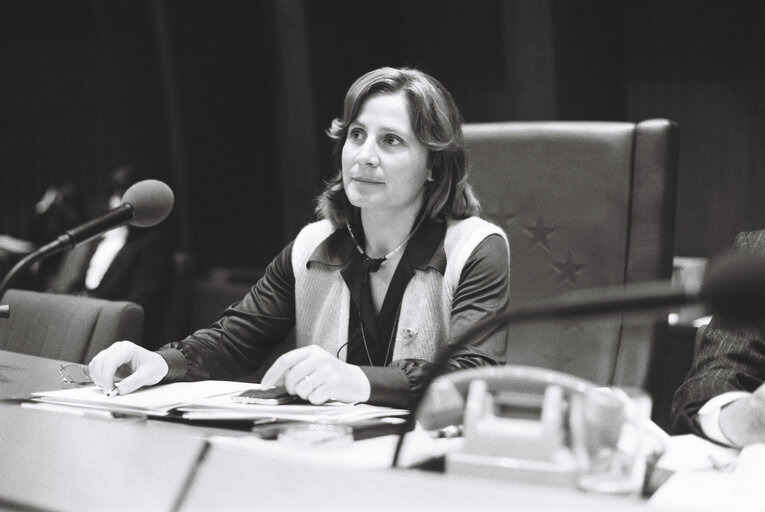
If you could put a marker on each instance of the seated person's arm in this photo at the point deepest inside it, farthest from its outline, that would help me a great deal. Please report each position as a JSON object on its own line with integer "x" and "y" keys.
{"x": 729, "y": 365}
{"x": 247, "y": 332}
{"x": 234, "y": 345}
{"x": 715, "y": 399}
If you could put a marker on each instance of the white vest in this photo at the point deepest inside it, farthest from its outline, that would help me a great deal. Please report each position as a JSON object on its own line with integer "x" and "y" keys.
{"x": 322, "y": 300}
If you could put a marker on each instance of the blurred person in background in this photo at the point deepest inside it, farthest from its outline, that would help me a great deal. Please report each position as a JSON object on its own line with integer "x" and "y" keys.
{"x": 61, "y": 207}
{"x": 125, "y": 263}
{"x": 723, "y": 396}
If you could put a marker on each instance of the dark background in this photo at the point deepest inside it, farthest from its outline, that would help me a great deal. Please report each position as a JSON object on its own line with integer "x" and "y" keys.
{"x": 227, "y": 100}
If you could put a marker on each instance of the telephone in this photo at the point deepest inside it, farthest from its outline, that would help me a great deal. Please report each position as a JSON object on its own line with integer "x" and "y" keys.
{"x": 523, "y": 422}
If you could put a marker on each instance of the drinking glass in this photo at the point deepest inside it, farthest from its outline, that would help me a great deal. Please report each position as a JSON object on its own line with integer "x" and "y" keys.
{"x": 612, "y": 439}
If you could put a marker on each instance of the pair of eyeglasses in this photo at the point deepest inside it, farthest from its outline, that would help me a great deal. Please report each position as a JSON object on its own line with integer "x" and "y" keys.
{"x": 75, "y": 374}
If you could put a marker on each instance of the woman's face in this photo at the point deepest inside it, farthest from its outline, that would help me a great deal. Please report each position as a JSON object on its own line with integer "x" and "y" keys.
{"x": 384, "y": 165}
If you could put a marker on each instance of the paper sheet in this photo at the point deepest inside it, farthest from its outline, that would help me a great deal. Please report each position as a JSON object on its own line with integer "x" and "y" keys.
{"x": 155, "y": 400}
{"x": 223, "y": 408}
{"x": 689, "y": 452}
{"x": 211, "y": 400}
{"x": 736, "y": 487}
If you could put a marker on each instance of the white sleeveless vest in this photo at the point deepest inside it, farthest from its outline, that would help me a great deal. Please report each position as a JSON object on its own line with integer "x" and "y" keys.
{"x": 322, "y": 300}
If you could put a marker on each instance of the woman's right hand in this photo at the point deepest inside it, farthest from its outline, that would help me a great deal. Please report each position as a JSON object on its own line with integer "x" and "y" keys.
{"x": 138, "y": 367}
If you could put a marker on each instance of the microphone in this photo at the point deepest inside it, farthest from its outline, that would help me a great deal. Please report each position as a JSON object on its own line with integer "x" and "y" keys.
{"x": 144, "y": 204}
{"x": 733, "y": 287}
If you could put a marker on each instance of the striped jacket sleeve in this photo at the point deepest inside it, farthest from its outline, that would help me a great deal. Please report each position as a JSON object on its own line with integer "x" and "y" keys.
{"x": 729, "y": 357}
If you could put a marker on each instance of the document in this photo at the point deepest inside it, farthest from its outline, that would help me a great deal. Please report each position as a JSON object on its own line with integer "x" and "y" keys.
{"x": 223, "y": 408}
{"x": 735, "y": 486}
{"x": 153, "y": 401}
{"x": 692, "y": 453}
{"x": 210, "y": 400}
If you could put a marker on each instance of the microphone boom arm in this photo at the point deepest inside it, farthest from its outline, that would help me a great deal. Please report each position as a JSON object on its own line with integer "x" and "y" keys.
{"x": 635, "y": 298}
{"x": 28, "y": 261}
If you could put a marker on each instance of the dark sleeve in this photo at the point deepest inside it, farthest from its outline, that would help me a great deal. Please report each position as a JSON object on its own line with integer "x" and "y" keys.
{"x": 731, "y": 357}
{"x": 245, "y": 334}
{"x": 482, "y": 294}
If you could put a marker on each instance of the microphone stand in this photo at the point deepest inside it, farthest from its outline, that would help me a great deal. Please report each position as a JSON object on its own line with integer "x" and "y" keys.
{"x": 23, "y": 265}
{"x": 153, "y": 200}
{"x": 67, "y": 241}
{"x": 28, "y": 261}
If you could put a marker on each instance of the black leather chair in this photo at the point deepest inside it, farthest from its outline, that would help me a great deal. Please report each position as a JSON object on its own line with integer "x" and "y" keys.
{"x": 584, "y": 204}
{"x": 66, "y": 327}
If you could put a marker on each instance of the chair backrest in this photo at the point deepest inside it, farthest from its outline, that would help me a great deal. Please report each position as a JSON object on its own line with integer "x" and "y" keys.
{"x": 223, "y": 288}
{"x": 173, "y": 320}
{"x": 65, "y": 327}
{"x": 584, "y": 204}
{"x": 211, "y": 297}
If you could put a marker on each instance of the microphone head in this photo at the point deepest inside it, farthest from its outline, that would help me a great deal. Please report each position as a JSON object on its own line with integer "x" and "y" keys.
{"x": 734, "y": 287}
{"x": 151, "y": 200}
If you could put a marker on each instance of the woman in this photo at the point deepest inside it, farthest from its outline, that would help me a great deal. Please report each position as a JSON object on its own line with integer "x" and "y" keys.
{"x": 398, "y": 267}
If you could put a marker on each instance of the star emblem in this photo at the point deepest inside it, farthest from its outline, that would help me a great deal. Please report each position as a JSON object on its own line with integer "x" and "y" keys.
{"x": 567, "y": 270}
{"x": 538, "y": 234}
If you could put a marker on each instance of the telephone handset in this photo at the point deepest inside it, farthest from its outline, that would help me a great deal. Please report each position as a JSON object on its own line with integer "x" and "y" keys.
{"x": 521, "y": 421}
{"x": 445, "y": 401}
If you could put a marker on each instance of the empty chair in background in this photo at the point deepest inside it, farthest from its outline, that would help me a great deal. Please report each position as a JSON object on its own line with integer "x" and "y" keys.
{"x": 66, "y": 327}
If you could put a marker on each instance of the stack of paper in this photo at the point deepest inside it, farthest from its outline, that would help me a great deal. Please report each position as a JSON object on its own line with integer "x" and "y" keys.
{"x": 152, "y": 401}
{"x": 210, "y": 400}
{"x": 222, "y": 408}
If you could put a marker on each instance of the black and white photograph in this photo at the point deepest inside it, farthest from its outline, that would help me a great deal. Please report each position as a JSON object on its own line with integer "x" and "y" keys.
{"x": 375, "y": 255}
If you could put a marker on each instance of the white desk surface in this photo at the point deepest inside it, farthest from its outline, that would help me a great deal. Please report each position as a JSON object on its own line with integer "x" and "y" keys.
{"x": 226, "y": 480}
{"x": 63, "y": 462}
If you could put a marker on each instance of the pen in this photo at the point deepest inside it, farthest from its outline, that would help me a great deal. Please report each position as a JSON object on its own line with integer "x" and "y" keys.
{"x": 263, "y": 421}
{"x": 113, "y": 391}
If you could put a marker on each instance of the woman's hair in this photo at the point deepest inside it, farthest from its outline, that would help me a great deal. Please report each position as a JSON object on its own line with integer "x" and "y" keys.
{"x": 436, "y": 123}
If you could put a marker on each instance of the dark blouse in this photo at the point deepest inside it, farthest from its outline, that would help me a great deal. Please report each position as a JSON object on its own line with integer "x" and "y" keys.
{"x": 249, "y": 330}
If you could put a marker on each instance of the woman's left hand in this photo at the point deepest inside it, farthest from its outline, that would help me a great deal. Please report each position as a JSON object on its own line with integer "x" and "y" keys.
{"x": 315, "y": 375}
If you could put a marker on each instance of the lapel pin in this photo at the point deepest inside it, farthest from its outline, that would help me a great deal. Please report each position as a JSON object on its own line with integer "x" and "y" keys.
{"x": 407, "y": 335}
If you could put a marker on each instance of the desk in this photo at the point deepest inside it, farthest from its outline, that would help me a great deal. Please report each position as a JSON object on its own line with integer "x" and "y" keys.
{"x": 228, "y": 481}
{"x": 64, "y": 462}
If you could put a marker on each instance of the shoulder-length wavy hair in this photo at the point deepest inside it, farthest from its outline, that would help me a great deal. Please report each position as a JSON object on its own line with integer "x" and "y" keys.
{"x": 436, "y": 122}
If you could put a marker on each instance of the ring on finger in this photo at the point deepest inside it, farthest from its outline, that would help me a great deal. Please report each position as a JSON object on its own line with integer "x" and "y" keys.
{"x": 310, "y": 384}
